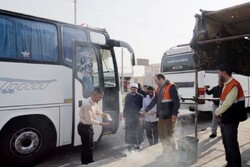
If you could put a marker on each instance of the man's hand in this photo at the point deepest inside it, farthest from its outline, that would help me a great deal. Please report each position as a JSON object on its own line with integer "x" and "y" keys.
{"x": 216, "y": 113}
{"x": 104, "y": 123}
{"x": 143, "y": 113}
{"x": 106, "y": 116}
{"x": 121, "y": 116}
{"x": 174, "y": 118}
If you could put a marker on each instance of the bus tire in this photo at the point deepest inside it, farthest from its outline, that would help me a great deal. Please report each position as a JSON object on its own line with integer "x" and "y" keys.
{"x": 26, "y": 140}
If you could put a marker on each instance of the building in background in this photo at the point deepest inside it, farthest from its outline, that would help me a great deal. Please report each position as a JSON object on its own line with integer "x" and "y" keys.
{"x": 147, "y": 75}
{"x": 142, "y": 73}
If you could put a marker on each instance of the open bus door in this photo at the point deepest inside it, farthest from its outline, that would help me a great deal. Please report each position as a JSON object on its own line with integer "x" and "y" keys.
{"x": 86, "y": 76}
{"x": 94, "y": 66}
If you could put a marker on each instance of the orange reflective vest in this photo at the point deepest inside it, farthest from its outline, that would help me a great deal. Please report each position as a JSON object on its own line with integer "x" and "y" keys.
{"x": 166, "y": 105}
{"x": 166, "y": 97}
{"x": 228, "y": 88}
{"x": 236, "y": 112}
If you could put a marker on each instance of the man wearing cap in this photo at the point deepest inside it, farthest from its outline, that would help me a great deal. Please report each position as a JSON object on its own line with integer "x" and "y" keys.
{"x": 131, "y": 114}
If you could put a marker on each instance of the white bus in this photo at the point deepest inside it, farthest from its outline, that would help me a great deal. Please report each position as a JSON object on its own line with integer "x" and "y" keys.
{"x": 47, "y": 69}
{"x": 178, "y": 66}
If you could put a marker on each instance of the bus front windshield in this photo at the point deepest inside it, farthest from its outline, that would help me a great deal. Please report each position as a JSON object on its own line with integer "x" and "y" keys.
{"x": 178, "y": 62}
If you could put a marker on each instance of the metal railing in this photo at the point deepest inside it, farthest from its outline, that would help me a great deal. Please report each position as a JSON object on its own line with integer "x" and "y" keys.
{"x": 196, "y": 100}
{"x": 208, "y": 99}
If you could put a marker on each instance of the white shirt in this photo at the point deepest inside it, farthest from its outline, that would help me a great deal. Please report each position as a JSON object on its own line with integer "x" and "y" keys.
{"x": 88, "y": 112}
{"x": 151, "y": 114}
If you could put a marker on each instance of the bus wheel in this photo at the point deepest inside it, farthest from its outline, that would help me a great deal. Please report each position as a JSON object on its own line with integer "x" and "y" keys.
{"x": 26, "y": 141}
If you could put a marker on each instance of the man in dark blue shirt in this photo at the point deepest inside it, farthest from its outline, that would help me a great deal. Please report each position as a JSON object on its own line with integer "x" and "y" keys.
{"x": 215, "y": 91}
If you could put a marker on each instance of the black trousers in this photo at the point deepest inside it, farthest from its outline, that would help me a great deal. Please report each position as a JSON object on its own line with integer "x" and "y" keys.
{"x": 229, "y": 134}
{"x": 86, "y": 132}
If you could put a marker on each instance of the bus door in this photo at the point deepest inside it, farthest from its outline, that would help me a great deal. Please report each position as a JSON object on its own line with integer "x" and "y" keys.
{"x": 94, "y": 66}
{"x": 87, "y": 74}
{"x": 111, "y": 103}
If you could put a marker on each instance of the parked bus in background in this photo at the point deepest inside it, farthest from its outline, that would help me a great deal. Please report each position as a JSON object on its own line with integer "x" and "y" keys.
{"x": 178, "y": 66}
{"x": 47, "y": 69}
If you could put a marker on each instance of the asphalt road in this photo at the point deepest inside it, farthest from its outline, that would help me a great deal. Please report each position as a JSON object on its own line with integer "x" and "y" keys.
{"x": 113, "y": 145}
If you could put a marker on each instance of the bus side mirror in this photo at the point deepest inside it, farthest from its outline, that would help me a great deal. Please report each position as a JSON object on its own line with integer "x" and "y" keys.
{"x": 132, "y": 59}
{"x": 123, "y": 44}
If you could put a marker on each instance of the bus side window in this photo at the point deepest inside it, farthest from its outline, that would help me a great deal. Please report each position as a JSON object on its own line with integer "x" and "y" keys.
{"x": 86, "y": 69}
{"x": 25, "y": 39}
{"x": 70, "y": 34}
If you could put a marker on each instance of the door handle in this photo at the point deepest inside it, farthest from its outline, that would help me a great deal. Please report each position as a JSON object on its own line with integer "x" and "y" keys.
{"x": 80, "y": 103}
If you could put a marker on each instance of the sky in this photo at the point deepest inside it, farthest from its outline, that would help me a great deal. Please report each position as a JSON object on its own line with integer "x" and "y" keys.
{"x": 150, "y": 26}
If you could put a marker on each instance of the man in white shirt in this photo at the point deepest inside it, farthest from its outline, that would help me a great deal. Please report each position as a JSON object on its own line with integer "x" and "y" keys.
{"x": 150, "y": 118}
{"x": 87, "y": 117}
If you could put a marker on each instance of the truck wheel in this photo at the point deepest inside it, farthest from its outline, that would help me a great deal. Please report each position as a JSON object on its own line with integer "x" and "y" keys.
{"x": 26, "y": 141}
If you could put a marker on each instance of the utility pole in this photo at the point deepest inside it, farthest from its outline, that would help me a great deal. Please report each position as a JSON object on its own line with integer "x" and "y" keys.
{"x": 75, "y": 11}
{"x": 122, "y": 77}
{"x": 196, "y": 101}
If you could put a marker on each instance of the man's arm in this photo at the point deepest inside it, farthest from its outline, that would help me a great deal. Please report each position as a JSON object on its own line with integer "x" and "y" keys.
{"x": 143, "y": 104}
{"x": 99, "y": 112}
{"x": 125, "y": 109}
{"x": 209, "y": 92}
{"x": 152, "y": 112}
{"x": 152, "y": 103}
{"x": 140, "y": 100}
{"x": 103, "y": 115}
{"x": 175, "y": 98}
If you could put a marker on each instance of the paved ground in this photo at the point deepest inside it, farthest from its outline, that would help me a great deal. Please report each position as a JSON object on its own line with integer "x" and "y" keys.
{"x": 210, "y": 153}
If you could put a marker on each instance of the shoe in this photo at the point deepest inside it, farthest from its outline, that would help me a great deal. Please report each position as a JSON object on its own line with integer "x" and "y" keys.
{"x": 213, "y": 135}
{"x": 227, "y": 165}
{"x": 138, "y": 147}
{"x": 130, "y": 147}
